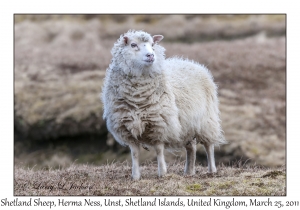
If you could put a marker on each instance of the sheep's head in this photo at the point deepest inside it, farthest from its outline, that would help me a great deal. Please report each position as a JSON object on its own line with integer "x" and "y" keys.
{"x": 138, "y": 49}
{"x": 142, "y": 48}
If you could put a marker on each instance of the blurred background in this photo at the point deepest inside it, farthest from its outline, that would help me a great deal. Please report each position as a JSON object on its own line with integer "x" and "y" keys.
{"x": 60, "y": 63}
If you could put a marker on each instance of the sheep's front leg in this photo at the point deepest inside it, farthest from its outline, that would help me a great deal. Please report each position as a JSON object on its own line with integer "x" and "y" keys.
{"x": 135, "y": 152}
{"x": 210, "y": 157}
{"x": 190, "y": 157}
{"x": 162, "y": 167}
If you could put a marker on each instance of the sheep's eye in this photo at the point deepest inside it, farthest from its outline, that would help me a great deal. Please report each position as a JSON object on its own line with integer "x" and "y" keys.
{"x": 133, "y": 45}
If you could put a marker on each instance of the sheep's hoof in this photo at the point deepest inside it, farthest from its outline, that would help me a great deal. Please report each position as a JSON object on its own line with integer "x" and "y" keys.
{"x": 162, "y": 172}
{"x": 189, "y": 170}
{"x": 135, "y": 178}
{"x": 212, "y": 171}
{"x": 161, "y": 176}
{"x": 189, "y": 173}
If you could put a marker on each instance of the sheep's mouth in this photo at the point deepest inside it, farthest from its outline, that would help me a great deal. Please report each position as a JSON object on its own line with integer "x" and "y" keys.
{"x": 150, "y": 61}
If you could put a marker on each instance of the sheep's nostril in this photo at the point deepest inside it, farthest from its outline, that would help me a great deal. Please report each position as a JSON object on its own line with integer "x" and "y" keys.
{"x": 149, "y": 55}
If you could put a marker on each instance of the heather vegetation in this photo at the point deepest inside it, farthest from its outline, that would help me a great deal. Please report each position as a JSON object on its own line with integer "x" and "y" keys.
{"x": 60, "y": 61}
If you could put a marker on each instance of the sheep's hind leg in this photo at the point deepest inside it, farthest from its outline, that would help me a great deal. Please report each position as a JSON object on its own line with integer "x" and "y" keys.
{"x": 209, "y": 147}
{"x": 162, "y": 167}
{"x": 135, "y": 152}
{"x": 190, "y": 157}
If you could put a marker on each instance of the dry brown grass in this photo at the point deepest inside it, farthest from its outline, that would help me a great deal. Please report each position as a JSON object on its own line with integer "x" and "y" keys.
{"x": 115, "y": 180}
{"x": 186, "y": 28}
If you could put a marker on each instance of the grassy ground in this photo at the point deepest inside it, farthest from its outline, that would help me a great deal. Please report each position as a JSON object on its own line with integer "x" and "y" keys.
{"x": 115, "y": 180}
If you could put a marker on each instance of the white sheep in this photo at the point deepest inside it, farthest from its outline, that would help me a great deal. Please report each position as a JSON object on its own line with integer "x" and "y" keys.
{"x": 162, "y": 103}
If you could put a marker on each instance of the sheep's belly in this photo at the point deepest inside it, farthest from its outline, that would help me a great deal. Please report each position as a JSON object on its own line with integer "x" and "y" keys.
{"x": 148, "y": 128}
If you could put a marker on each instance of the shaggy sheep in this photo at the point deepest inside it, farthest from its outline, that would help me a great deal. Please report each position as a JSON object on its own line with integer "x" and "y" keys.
{"x": 162, "y": 103}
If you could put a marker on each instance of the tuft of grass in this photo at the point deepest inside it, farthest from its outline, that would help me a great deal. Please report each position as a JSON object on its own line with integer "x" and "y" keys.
{"x": 273, "y": 174}
{"x": 193, "y": 187}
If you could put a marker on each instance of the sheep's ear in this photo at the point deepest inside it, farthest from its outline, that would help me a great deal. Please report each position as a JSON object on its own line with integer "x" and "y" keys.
{"x": 125, "y": 39}
{"x": 157, "y": 38}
